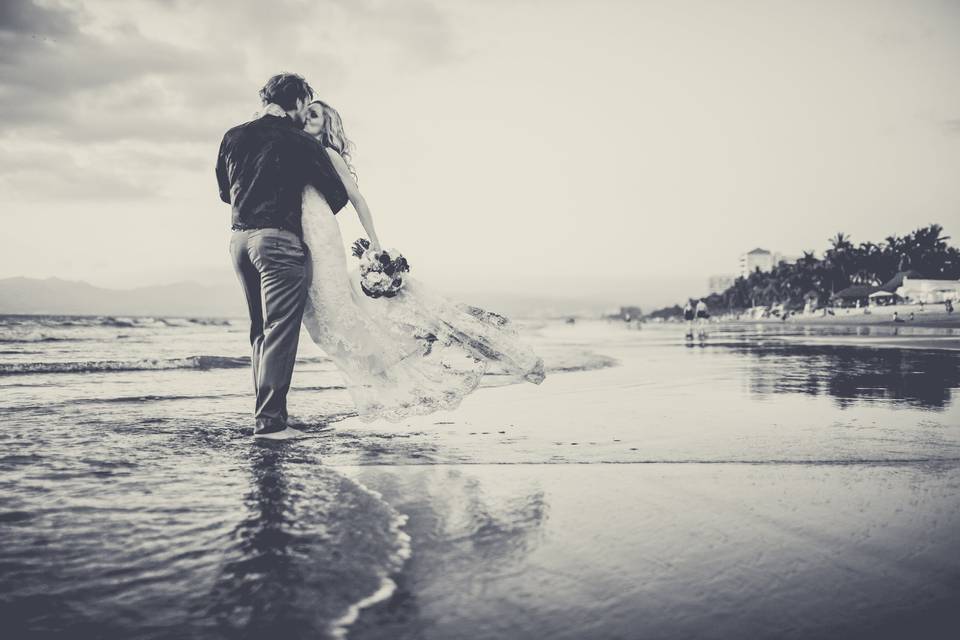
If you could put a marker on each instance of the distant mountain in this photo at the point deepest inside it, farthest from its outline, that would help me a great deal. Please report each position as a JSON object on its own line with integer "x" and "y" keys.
{"x": 64, "y": 297}
{"x": 54, "y": 296}
{"x": 582, "y": 297}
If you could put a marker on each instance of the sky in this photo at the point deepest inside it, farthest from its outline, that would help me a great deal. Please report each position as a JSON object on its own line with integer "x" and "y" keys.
{"x": 578, "y": 148}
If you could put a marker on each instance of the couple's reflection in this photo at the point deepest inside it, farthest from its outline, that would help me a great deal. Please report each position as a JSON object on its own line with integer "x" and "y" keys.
{"x": 311, "y": 544}
{"x": 467, "y": 529}
{"x": 254, "y": 595}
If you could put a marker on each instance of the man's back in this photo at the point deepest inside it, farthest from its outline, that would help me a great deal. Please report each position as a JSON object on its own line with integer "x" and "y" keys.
{"x": 262, "y": 168}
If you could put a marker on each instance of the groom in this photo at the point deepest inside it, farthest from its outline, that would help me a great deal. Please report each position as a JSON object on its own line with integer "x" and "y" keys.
{"x": 262, "y": 169}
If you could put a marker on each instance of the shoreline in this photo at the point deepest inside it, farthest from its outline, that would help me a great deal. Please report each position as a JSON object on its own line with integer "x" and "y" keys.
{"x": 856, "y": 317}
{"x": 516, "y": 537}
{"x": 953, "y": 323}
{"x": 929, "y": 336}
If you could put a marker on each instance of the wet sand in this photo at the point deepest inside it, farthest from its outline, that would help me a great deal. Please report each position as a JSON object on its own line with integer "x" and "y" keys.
{"x": 672, "y": 551}
{"x": 876, "y": 336}
{"x": 932, "y": 316}
{"x": 656, "y": 500}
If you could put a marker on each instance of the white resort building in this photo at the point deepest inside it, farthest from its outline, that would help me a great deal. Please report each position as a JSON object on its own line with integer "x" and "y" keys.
{"x": 763, "y": 260}
{"x": 929, "y": 291}
{"x": 719, "y": 284}
{"x": 756, "y": 259}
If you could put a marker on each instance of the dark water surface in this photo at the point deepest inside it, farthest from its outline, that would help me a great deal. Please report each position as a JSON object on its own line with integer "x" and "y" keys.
{"x": 134, "y": 504}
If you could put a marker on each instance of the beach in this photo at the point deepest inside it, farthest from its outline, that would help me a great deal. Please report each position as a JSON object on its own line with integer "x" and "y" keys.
{"x": 672, "y": 550}
{"x": 762, "y": 482}
{"x": 908, "y": 315}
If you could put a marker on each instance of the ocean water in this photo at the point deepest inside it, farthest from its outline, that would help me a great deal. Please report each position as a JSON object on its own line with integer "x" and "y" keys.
{"x": 134, "y": 503}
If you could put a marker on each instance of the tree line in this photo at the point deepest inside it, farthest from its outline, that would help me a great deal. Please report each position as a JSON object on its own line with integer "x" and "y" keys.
{"x": 843, "y": 264}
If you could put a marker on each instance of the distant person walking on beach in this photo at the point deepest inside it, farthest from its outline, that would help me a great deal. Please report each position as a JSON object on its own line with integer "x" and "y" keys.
{"x": 688, "y": 316}
{"x": 703, "y": 314}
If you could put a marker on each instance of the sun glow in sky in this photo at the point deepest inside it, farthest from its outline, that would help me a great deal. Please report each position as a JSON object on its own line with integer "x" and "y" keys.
{"x": 567, "y": 145}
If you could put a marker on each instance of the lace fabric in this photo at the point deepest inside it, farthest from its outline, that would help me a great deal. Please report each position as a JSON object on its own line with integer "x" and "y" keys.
{"x": 412, "y": 354}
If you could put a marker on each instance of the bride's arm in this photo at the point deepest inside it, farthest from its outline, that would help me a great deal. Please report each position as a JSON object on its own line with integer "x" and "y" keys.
{"x": 356, "y": 198}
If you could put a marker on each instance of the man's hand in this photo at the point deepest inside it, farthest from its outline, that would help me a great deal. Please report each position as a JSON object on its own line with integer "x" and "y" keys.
{"x": 273, "y": 109}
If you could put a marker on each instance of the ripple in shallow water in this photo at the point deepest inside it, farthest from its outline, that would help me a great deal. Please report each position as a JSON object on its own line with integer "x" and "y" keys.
{"x": 161, "y": 550}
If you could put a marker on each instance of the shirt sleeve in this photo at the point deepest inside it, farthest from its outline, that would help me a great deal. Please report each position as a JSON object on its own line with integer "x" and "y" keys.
{"x": 323, "y": 175}
{"x": 223, "y": 178}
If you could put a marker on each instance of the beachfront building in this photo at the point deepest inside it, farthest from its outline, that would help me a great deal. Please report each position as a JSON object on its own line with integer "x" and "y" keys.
{"x": 626, "y": 314}
{"x": 763, "y": 260}
{"x": 719, "y": 284}
{"x": 896, "y": 281}
{"x": 756, "y": 259}
{"x": 929, "y": 291}
{"x": 883, "y": 298}
{"x": 857, "y": 295}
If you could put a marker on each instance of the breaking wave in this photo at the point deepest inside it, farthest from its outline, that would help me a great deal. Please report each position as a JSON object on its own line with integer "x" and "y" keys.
{"x": 145, "y": 364}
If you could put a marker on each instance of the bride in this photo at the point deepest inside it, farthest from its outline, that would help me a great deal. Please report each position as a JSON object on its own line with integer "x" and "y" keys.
{"x": 411, "y": 354}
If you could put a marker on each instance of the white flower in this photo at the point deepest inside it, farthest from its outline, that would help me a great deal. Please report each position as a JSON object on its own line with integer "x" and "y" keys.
{"x": 369, "y": 260}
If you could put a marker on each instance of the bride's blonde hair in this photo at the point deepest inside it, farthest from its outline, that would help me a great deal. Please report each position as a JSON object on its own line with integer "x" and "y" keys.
{"x": 331, "y": 134}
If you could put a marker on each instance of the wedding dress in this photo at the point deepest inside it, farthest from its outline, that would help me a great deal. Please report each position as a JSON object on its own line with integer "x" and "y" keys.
{"x": 411, "y": 354}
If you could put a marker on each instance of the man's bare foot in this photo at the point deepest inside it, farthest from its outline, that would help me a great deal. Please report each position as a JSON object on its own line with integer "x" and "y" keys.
{"x": 287, "y": 434}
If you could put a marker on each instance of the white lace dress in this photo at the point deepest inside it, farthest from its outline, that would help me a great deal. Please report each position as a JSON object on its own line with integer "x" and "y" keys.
{"x": 408, "y": 355}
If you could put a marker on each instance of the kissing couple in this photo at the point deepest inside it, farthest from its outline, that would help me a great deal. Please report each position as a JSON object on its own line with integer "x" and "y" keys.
{"x": 285, "y": 175}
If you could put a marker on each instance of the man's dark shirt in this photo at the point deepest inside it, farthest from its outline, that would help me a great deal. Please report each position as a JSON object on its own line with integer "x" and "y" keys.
{"x": 262, "y": 169}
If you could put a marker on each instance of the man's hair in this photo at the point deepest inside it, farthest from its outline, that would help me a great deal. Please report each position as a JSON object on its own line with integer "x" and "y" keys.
{"x": 284, "y": 89}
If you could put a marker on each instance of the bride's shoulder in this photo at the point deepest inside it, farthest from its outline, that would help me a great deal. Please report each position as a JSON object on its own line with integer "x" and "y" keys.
{"x": 338, "y": 162}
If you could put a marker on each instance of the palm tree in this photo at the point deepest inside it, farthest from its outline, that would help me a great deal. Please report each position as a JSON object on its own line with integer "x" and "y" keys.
{"x": 924, "y": 249}
{"x": 841, "y": 242}
{"x": 837, "y": 262}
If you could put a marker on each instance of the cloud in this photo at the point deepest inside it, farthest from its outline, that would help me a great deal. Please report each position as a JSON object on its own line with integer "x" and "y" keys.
{"x": 23, "y": 16}
{"x": 63, "y": 178}
{"x": 97, "y": 80}
{"x": 81, "y": 84}
{"x": 101, "y": 171}
{"x": 158, "y": 71}
{"x": 419, "y": 30}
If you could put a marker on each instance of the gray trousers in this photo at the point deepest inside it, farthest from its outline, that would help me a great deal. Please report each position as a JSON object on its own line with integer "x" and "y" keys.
{"x": 274, "y": 271}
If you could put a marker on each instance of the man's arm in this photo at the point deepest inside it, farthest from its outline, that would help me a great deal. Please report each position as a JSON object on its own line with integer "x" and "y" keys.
{"x": 223, "y": 179}
{"x": 323, "y": 175}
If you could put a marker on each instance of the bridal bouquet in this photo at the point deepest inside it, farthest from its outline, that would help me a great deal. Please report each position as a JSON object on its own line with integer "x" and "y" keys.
{"x": 380, "y": 272}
